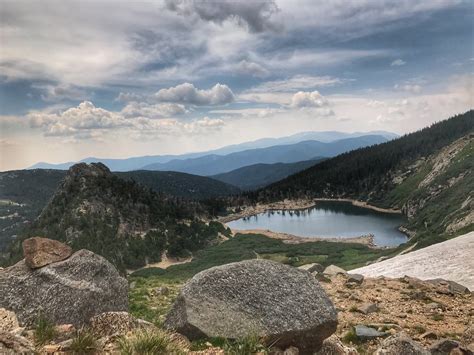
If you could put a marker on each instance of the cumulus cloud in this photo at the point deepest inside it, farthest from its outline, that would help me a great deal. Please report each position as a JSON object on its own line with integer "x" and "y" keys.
{"x": 297, "y": 82}
{"x": 87, "y": 121}
{"x": 255, "y": 15}
{"x": 254, "y": 69}
{"x": 304, "y": 99}
{"x": 188, "y": 94}
{"x": 84, "y": 117}
{"x": 143, "y": 109}
{"x": 398, "y": 63}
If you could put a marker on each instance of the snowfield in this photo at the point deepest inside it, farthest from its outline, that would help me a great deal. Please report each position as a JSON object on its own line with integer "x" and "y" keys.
{"x": 451, "y": 260}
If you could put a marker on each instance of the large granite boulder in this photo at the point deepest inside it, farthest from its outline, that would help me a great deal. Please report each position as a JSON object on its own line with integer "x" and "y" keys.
{"x": 39, "y": 252}
{"x": 284, "y": 305}
{"x": 68, "y": 291}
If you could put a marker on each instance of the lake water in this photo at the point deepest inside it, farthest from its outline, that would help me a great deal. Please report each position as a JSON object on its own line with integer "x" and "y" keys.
{"x": 330, "y": 219}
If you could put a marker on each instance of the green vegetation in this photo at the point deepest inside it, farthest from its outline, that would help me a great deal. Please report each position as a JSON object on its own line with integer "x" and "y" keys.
{"x": 84, "y": 342}
{"x": 45, "y": 330}
{"x": 251, "y": 246}
{"x": 251, "y": 344}
{"x": 121, "y": 220}
{"x": 24, "y": 193}
{"x": 146, "y": 304}
{"x": 147, "y": 342}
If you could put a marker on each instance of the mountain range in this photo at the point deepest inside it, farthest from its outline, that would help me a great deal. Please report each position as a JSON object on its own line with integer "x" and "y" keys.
{"x": 213, "y": 164}
{"x": 137, "y": 163}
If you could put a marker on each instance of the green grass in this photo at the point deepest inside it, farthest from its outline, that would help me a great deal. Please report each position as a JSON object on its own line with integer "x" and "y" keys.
{"x": 251, "y": 344}
{"x": 145, "y": 304}
{"x": 84, "y": 342}
{"x": 155, "y": 342}
{"x": 44, "y": 330}
{"x": 250, "y": 246}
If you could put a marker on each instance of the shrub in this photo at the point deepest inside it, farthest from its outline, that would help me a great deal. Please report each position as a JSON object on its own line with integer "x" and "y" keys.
{"x": 84, "y": 342}
{"x": 143, "y": 342}
{"x": 44, "y": 330}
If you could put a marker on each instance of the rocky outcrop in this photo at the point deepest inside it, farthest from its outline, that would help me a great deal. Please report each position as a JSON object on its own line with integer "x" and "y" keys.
{"x": 40, "y": 252}
{"x": 284, "y": 305}
{"x": 68, "y": 291}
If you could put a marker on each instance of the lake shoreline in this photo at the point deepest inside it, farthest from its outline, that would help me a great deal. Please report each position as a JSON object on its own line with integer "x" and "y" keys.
{"x": 299, "y": 205}
{"x": 287, "y": 238}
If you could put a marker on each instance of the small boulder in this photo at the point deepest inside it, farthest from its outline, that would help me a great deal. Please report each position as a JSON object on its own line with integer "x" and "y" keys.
{"x": 314, "y": 267}
{"x": 15, "y": 344}
{"x": 444, "y": 347}
{"x": 8, "y": 320}
{"x": 334, "y": 346}
{"x": 333, "y": 270}
{"x": 401, "y": 344}
{"x": 39, "y": 252}
{"x": 366, "y": 333}
{"x": 68, "y": 291}
{"x": 367, "y": 308}
{"x": 284, "y": 305}
{"x": 354, "y": 279}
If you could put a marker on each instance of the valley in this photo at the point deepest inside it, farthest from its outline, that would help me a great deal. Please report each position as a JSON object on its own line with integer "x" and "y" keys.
{"x": 162, "y": 229}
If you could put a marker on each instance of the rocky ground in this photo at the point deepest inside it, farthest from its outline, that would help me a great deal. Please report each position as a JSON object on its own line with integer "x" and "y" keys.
{"x": 425, "y": 311}
{"x": 305, "y": 310}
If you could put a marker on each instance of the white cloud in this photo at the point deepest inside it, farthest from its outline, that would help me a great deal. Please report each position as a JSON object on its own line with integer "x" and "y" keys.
{"x": 308, "y": 99}
{"x": 297, "y": 82}
{"x": 137, "y": 119}
{"x": 188, "y": 94}
{"x": 84, "y": 117}
{"x": 251, "y": 68}
{"x": 137, "y": 109}
{"x": 398, "y": 63}
{"x": 255, "y": 15}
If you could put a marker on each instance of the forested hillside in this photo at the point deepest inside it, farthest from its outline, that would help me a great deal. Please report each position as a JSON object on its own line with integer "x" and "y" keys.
{"x": 427, "y": 174}
{"x": 260, "y": 175}
{"x": 120, "y": 219}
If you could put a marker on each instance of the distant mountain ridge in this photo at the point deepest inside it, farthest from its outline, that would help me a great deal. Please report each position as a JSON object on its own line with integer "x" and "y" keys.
{"x": 214, "y": 164}
{"x": 137, "y": 163}
{"x": 255, "y": 176}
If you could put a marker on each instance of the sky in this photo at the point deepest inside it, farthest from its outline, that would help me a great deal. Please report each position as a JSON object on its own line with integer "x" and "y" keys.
{"x": 116, "y": 79}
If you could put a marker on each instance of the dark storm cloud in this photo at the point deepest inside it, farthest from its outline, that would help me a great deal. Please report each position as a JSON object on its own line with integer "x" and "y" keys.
{"x": 256, "y": 15}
